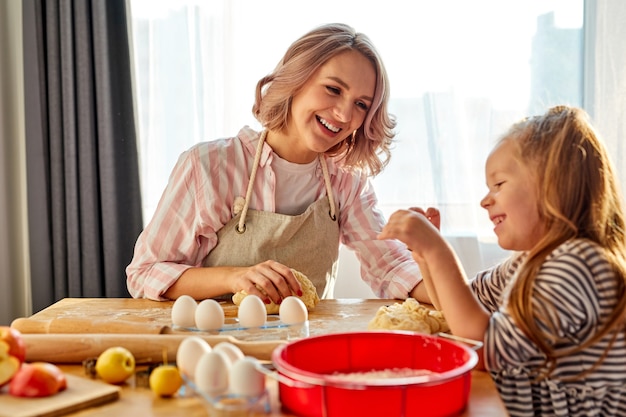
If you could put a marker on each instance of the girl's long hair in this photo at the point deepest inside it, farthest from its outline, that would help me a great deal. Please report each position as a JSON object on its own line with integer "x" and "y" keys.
{"x": 579, "y": 198}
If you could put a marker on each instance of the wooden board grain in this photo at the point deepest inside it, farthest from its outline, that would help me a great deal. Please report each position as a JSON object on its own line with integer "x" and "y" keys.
{"x": 74, "y": 329}
{"x": 76, "y": 348}
{"x": 81, "y": 393}
{"x": 141, "y": 316}
{"x": 98, "y": 315}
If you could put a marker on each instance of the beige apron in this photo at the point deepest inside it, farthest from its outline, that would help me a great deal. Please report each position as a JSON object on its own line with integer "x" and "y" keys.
{"x": 308, "y": 242}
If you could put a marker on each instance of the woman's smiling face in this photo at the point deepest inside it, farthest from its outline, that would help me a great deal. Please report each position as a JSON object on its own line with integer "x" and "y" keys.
{"x": 512, "y": 199}
{"x": 330, "y": 106}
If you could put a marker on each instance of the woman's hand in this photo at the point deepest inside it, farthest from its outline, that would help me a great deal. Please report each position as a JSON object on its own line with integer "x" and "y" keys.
{"x": 270, "y": 280}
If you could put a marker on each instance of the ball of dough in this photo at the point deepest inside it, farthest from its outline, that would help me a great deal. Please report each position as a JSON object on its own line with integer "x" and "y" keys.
{"x": 309, "y": 295}
{"x": 409, "y": 315}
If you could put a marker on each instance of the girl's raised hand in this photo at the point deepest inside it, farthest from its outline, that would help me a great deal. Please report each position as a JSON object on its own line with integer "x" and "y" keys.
{"x": 431, "y": 213}
{"x": 414, "y": 227}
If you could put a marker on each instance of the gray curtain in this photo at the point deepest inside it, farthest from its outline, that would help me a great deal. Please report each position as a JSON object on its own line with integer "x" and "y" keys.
{"x": 84, "y": 202}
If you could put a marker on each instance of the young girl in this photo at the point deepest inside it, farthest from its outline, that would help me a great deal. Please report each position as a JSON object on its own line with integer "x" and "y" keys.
{"x": 239, "y": 213}
{"x": 552, "y": 317}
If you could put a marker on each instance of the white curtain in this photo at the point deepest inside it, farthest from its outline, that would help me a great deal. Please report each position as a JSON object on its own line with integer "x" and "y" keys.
{"x": 222, "y": 102}
{"x": 461, "y": 72}
{"x": 605, "y": 96}
{"x": 14, "y": 271}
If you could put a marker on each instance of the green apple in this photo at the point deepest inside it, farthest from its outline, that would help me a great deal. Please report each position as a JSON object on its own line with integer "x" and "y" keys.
{"x": 115, "y": 365}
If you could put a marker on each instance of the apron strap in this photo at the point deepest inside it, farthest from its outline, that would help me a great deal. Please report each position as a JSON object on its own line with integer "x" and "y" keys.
{"x": 329, "y": 191}
{"x": 241, "y": 227}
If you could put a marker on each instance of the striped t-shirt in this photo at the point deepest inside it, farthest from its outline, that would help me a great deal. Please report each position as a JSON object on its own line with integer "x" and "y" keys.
{"x": 577, "y": 289}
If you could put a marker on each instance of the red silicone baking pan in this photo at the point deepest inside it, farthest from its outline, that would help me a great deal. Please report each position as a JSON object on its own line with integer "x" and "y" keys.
{"x": 309, "y": 385}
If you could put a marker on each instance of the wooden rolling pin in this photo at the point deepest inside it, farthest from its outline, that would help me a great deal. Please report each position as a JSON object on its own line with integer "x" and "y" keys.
{"x": 78, "y": 325}
{"x": 75, "y": 348}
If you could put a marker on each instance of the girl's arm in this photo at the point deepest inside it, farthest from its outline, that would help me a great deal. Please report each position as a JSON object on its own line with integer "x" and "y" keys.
{"x": 386, "y": 266}
{"x": 428, "y": 283}
{"x": 444, "y": 276}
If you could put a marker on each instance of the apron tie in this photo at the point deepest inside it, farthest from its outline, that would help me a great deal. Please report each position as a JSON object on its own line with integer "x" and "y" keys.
{"x": 241, "y": 227}
{"x": 329, "y": 191}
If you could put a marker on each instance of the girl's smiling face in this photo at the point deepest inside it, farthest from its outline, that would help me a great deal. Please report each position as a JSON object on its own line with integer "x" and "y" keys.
{"x": 512, "y": 199}
{"x": 330, "y": 106}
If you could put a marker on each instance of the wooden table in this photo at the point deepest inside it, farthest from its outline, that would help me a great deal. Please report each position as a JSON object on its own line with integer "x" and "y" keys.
{"x": 153, "y": 319}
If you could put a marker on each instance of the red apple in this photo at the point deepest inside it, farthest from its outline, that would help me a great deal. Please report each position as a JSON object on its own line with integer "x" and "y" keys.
{"x": 9, "y": 365}
{"x": 12, "y": 353}
{"x": 37, "y": 379}
{"x": 13, "y": 338}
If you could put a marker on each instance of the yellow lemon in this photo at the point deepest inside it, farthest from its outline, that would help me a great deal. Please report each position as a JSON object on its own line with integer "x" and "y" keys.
{"x": 115, "y": 365}
{"x": 165, "y": 380}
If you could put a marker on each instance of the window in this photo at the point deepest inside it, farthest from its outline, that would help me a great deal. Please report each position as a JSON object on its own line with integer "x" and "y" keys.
{"x": 461, "y": 72}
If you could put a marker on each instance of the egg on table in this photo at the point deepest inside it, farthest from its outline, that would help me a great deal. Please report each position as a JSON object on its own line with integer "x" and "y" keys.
{"x": 189, "y": 352}
{"x": 245, "y": 379}
{"x": 212, "y": 373}
{"x": 252, "y": 312}
{"x": 209, "y": 315}
{"x": 293, "y": 311}
{"x": 184, "y": 311}
{"x": 232, "y": 351}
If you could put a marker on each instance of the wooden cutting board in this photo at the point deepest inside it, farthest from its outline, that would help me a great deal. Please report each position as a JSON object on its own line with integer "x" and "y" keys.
{"x": 80, "y": 393}
{"x": 74, "y": 329}
{"x": 141, "y": 316}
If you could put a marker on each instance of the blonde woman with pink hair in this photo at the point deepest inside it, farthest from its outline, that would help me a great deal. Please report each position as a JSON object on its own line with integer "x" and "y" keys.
{"x": 239, "y": 213}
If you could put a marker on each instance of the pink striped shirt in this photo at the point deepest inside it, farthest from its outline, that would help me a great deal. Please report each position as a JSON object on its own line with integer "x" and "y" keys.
{"x": 199, "y": 198}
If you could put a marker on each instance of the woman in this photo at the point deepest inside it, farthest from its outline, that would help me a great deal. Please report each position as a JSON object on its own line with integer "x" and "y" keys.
{"x": 239, "y": 213}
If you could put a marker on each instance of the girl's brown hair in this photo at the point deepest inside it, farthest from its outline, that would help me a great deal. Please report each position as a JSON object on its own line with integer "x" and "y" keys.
{"x": 579, "y": 198}
{"x": 368, "y": 148}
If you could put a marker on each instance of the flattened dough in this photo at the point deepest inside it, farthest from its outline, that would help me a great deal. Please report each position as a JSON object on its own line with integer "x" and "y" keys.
{"x": 309, "y": 295}
{"x": 409, "y": 315}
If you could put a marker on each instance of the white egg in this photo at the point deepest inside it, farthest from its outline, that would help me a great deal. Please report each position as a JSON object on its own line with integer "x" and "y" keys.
{"x": 293, "y": 311}
{"x": 184, "y": 311}
{"x": 209, "y": 315}
{"x": 246, "y": 379}
{"x": 212, "y": 374}
{"x": 252, "y": 312}
{"x": 232, "y": 351}
{"x": 189, "y": 353}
